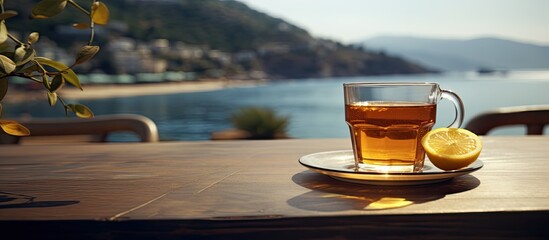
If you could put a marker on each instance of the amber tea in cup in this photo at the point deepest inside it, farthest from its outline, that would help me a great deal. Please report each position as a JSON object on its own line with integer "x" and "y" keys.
{"x": 388, "y": 120}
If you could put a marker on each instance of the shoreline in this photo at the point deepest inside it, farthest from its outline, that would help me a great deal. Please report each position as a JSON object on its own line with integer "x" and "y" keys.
{"x": 101, "y": 91}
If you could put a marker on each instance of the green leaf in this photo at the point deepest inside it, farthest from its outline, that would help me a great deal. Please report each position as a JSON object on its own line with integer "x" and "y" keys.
{"x": 81, "y": 26}
{"x": 3, "y": 32}
{"x": 48, "y": 8}
{"x": 100, "y": 13}
{"x": 68, "y": 74}
{"x": 33, "y": 37}
{"x": 5, "y": 46}
{"x": 8, "y": 14}
{"x": 46, "y": 81}
{"x": 6, "y": 65}
{"x": 56, "y": 83}
{"x": 3, "y": 88}
{"x": 29, "y": 69}
{"x": 86, "y": 53}
{"x": 81, "y": 111}
{"x": 23, "y": 55}
{"x": 52, "y": 98}
{"x": 14, "y": 128}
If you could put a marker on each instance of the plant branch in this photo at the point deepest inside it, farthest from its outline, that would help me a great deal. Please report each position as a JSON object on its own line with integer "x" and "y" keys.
{"x": 92, "y": 32}
{"x": 61, "y": 100}
{"x": 65, "y": 106}
{"x": 74, "y": 4}
{"x": 40, "y": 67}
{"x": 27, "y": 76}
{"x": 15, "y": 39}
{"x": 92, "y": 28}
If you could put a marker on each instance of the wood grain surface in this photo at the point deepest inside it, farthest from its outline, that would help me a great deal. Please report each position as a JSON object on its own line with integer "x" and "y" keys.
{"x": 248, "y": 189}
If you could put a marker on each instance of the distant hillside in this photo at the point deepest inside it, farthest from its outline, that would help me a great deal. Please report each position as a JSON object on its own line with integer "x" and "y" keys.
{"x": 464, "y": 54}
{"x": 283, "y": 50}
{"x": 224, "y": 25}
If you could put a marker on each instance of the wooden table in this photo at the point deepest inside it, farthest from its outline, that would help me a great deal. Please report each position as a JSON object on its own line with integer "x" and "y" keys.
{"x": 257, "y": 189}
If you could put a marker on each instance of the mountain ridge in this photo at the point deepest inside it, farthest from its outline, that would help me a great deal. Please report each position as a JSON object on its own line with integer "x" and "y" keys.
{"x": 277, "y": 47}
{"x": 468, "y": 54}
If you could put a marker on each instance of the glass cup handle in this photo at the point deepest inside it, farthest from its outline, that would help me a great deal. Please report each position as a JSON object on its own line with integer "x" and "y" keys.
{"x": 458, "y": 104}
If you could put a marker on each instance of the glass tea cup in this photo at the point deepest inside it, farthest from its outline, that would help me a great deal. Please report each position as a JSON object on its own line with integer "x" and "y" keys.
{"x": 388, "y": 120}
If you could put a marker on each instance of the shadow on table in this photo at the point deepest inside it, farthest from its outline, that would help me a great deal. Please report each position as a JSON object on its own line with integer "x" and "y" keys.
{"x": 329, "y": 195}
{"x": 14, "y": 200}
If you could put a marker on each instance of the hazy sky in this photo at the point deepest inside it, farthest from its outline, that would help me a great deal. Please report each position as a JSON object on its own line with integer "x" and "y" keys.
{"x": 353, "y": 20}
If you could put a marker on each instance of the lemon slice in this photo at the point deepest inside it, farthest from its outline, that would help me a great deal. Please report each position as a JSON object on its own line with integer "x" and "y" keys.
{"x": 451, "y": 148}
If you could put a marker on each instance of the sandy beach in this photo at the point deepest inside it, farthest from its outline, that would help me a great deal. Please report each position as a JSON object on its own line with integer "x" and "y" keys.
{"x": 129, "y": 90}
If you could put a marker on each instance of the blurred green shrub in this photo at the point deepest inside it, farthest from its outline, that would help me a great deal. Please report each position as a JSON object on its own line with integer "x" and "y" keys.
{"x": 261, "y": 123}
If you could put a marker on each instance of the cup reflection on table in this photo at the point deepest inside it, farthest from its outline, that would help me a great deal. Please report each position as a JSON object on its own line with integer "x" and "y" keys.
{"x": 388, "y": 120}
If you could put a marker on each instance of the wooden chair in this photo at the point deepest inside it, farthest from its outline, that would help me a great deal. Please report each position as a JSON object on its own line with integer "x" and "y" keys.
{"x": 97, "y": 129}
{"x": 534, "y": 117}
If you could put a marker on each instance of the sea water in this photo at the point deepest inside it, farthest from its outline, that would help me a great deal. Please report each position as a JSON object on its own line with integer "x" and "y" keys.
{"x": 315, "y": 106}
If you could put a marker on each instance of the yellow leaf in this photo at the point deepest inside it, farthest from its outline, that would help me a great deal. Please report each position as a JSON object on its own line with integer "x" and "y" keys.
{"x": 48, "y": 8}
{"x": 6, "y": 64}
{"x": 8, "y": 14}
{"x": 5, "y": 46}
{"x": 81, "y": 26}
{"x": 86, "y": 53}
{"x": 3, "y": 32}
{"x": 46, "y": 81}
{"x": 23, "y": 55}
{"x": 52, "y": 98}
{"x": 14, "y": 128}
{"x": 33, "y": 37}
{"x": 68, "y": 74}
{"x": 81, "y": 111}
{"x": 100, "y": 13}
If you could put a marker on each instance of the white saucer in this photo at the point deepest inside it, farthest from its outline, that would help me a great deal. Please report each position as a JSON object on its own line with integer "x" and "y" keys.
{"x": 341, "y": 165}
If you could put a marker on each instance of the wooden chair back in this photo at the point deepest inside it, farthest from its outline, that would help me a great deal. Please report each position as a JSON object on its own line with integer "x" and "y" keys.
{"x": 97, "y": 129}
{"x": 534, "y": 117}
